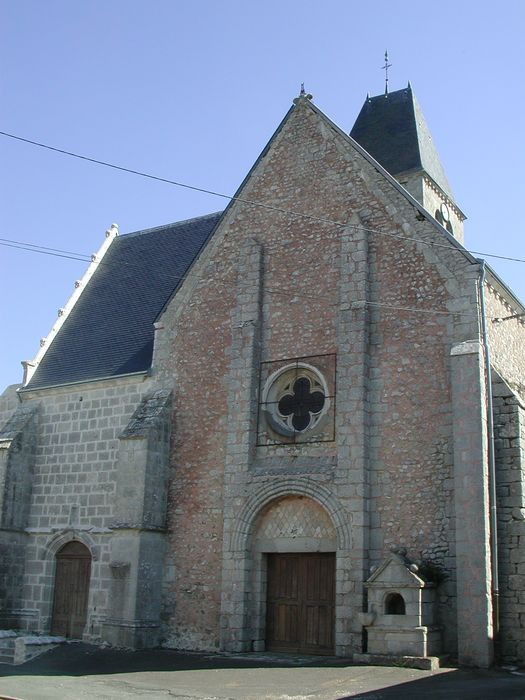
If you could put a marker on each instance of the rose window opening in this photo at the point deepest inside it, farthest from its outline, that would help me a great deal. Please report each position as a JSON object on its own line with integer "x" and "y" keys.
{"x": 295, "y": 398}
{"x": 299, "y": 404}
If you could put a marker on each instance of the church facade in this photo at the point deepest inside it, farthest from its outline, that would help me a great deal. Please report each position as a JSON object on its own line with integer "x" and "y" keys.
{"x": 295, "y": 425}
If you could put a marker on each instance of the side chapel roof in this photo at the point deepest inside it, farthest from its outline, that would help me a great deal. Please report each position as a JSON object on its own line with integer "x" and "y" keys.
{"x": 393, "y": 130}
{"x": 109, "y": 331}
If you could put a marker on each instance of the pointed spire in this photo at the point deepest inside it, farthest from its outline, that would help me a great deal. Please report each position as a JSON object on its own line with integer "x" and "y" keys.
{"x": 395, "y": 133}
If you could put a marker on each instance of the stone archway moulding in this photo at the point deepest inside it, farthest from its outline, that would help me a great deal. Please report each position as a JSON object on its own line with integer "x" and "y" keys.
{"x": 271, "y": 491}
{"x": 55, "y": 543}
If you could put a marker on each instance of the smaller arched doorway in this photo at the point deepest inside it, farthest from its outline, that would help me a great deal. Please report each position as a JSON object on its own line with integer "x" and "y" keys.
{"x": 73, "y": 571}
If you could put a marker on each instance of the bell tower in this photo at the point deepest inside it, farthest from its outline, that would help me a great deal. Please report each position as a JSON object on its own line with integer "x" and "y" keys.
{"x": 392, "y": 128}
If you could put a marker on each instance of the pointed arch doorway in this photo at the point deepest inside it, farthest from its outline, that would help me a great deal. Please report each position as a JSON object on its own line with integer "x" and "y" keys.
{"x": 73, "y": 572}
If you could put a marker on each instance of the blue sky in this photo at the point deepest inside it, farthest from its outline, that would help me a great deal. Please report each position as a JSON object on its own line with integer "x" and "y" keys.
{"x": 192, "y": 91}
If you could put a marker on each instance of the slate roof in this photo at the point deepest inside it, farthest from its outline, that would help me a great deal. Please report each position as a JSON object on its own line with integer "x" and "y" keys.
{"x": 393, "y": 130}
{"x": 109, "y": 331}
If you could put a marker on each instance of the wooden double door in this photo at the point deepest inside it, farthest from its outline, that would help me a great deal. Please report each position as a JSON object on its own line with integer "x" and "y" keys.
{"x": 300, "y": 609}
{"x": 73, "y": 572}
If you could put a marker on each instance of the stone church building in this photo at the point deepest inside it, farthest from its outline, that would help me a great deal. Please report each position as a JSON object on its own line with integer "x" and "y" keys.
{"x": 294, "y": 425}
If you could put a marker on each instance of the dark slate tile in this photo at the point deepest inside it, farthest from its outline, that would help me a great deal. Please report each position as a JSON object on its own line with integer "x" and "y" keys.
{"x": 393, "y": 130}
{"x": 110, "y": 329}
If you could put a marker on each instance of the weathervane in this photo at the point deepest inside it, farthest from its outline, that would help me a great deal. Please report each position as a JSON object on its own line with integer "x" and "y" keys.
{"x": 385, "y": 68}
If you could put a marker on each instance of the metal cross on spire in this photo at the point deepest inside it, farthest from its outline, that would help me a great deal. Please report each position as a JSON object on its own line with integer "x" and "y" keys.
{"x": 385, "y": 68}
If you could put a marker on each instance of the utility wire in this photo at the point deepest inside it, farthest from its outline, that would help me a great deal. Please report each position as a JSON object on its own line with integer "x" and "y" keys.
{"x": 268, "y": 290}
{"x": 57, "y": 252}
{"x": 172, "y": 278}
{"x": 32, "y": 246}
{"x": 12, "y": 244}
{"x": 250, "y": 202}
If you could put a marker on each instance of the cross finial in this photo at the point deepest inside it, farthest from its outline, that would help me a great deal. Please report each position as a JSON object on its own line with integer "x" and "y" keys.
{"x": 303, "y": 94}
{"x": 385, "y": 68}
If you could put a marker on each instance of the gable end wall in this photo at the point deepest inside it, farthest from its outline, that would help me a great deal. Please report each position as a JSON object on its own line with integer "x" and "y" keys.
{"x": 390, "y": 467}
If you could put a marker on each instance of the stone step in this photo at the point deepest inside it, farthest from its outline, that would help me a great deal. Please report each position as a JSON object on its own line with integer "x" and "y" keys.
{"x": 19, "y": 648}
{"x": 426, "y": 663}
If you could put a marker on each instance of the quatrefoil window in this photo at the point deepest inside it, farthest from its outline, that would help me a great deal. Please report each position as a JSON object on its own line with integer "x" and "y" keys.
{"x": 295, "y": 398}
{"x": 301, "y": 404}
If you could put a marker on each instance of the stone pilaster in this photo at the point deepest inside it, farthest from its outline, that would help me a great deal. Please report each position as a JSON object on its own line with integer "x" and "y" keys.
{"x": 241, "y": 437}
{"x": 352, "y": 428}
{"x": 471, "y": 480}
{"x": 138, "y": 543}
{"x": 18, "y": 440}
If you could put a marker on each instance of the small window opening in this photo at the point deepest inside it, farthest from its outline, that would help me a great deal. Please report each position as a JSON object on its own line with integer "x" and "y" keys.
{"x": 444, "y": 222}
{"x": 394, "y": 604}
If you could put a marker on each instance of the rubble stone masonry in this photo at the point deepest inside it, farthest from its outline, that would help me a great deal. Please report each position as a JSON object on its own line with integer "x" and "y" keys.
{"x": 165, "y": 476}
{"x": 280, "y": 286}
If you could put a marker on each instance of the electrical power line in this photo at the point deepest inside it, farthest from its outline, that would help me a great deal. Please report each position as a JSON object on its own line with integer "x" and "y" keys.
{"x": 268, "y": 290}
{"x": 82, "y": 257}
{"x": 251, "y": 202}
{"x": 43, "y": 250}
{"x": 44, "y": 247}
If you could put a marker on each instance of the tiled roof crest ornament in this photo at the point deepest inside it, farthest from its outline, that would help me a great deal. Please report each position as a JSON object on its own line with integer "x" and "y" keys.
{"x": 112, "y": 230}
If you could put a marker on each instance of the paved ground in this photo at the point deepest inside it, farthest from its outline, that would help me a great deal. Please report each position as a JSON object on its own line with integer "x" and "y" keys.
{"x": 79, "y": 671}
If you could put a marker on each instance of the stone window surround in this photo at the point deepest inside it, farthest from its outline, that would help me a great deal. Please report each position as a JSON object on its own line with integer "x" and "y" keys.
{"x": 274, "y": 390}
